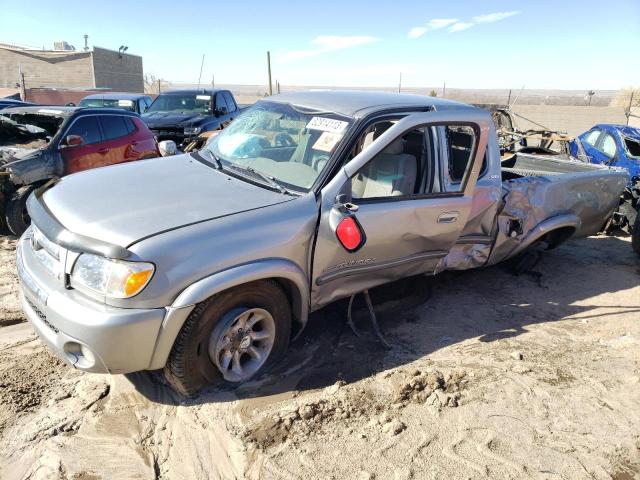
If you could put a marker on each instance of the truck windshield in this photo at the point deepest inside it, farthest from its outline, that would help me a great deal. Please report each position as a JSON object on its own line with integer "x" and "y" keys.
{"x": 288, "y": 144}
{"x": 187, "y": 103}
{"x": 108, "y": 103}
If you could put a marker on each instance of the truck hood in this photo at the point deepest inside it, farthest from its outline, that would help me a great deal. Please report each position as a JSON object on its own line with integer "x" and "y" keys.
{"x": 173, "y": 119}
{"x": 126, "y": 203}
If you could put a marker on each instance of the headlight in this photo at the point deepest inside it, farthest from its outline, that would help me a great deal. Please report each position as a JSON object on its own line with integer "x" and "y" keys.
{"x": 192, "y": 130}
{"x": 111, "y": 278}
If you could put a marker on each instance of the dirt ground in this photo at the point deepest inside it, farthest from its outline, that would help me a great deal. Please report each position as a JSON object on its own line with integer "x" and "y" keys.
{"x": 490, "y": 375}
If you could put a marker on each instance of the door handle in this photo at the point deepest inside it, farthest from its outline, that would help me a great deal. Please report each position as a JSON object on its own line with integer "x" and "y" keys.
{"x": 103, "y": 150}
{"x": 448, "y": 217}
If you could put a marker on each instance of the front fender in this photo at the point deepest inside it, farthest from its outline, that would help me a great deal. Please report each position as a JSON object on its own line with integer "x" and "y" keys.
{"x": 288, "y": 273}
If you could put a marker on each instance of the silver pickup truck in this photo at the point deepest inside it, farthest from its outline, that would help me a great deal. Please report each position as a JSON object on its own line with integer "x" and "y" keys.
{"x": 206, "y": 264}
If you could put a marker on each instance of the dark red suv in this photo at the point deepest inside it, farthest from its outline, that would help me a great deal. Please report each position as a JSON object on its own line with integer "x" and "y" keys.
{"x": 48, "y": 142}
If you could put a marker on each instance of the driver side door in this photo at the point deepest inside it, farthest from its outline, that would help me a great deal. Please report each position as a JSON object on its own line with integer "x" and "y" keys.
{"x": 405, "y": 218}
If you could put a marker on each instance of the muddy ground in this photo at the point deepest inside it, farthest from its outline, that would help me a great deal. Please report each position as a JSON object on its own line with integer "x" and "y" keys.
{"x": 491, "y": 375}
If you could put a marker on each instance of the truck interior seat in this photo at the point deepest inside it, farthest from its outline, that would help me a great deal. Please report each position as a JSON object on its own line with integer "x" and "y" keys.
{"x": 390, "y": 173}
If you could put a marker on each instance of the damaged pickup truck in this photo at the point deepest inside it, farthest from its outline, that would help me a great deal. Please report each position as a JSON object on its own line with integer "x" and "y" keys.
{"x": 205, "y": 264}
{"x": 38, "y": 144}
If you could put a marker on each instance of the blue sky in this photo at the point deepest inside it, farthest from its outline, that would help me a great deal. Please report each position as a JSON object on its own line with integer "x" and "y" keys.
{"x": 467, "y": 44}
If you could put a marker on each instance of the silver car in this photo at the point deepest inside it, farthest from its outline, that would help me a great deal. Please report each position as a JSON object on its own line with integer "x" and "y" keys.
{"x": 206, "y": 264}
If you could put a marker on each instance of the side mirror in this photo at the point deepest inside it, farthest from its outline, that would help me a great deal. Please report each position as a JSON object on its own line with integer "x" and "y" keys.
{"x": 167, "y": 148}
{"x": 73, "y": 140}
{"x": 220, "y": 111}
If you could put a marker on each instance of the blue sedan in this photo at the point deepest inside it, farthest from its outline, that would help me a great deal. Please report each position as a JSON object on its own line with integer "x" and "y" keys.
{"x": 615, "y": 145}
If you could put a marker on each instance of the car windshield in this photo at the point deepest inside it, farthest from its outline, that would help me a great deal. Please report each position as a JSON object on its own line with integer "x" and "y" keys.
{"x": 108, "y": 103}
{"x": 287, "y": 144}
{"x": 187, "y": 103}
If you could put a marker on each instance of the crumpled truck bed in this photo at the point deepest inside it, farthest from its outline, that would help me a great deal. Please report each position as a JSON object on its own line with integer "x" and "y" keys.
{"x": 574, "y": 204}
{"x": 583, "y": 199}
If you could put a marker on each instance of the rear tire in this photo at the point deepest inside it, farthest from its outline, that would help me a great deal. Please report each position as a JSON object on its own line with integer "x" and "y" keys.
{"x": 16, "y": 213}
{"x": 214, "y": 323}
{"x": 635, "y": 235}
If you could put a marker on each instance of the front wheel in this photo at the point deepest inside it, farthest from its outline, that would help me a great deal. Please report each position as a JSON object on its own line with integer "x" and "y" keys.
{"x": 635, "y": 235}
{"x": 16, "y": 213}
{"x": 230, "y": 337}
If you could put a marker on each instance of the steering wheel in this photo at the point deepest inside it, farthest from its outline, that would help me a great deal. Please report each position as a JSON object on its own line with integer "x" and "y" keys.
{"x": 252, "y": 147}
{"x": 319, "y": 162}
{"x": 283, "y": 139}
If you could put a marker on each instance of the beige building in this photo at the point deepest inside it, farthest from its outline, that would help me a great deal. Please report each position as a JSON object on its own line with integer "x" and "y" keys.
{"x": 70, "y": 69}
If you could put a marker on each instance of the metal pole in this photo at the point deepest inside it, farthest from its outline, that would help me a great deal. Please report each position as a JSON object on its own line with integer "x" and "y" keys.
{"x": 277, "y": 86}
{"x": 213, "y": 81}
{"x": 629, "y": 109}
{"x": 159, "y": 87}
{"x": 400, "y": 83}
{"x": 200, "y": 76}
{"x": 444, "y": 89}
{"x": 269, "y": 71}
{"x": 23, "y": 87}
{"x": 509, "y": 99}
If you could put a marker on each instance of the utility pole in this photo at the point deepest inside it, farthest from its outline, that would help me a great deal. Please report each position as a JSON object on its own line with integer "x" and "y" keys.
{"x": 509, "y": 98}
{"x": 159, "y": 91}
{"x": 629, "y": 109}
{"x": 444, "y": 88}
{"x": 400, "y": 83}
{"x": 213, "y": 81}
{"x": 269, "y": 72}
{"x": 23, "y": 86}
{"x": 277, "y": 86}
{"x": 200, "y": 76}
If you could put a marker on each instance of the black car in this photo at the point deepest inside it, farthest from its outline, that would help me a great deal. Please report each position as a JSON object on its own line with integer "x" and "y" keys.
{"x": 182, "y": 115}
{"x": 10, "y": 103}
{"x": 134, "y": 102}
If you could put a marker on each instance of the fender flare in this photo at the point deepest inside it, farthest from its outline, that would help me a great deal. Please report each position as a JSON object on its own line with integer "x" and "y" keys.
{"x": 290, "y": 275}
{"x": 547, "y": 226}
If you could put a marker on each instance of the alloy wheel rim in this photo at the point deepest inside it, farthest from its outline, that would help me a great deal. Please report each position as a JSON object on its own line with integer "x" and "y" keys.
{"x": 241, "y": 343}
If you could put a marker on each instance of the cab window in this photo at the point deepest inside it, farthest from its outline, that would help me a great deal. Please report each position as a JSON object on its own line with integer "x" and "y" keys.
{"x": 427, "y": 160}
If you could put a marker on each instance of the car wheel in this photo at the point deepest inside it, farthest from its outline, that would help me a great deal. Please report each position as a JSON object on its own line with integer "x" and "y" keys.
{"x": 230, "y": 337}
{"x": 635, "y": 235}
{"x": 16, "y": 213}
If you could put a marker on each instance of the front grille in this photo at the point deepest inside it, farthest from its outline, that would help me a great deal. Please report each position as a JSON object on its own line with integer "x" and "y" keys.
{"x": 41, "y": 315}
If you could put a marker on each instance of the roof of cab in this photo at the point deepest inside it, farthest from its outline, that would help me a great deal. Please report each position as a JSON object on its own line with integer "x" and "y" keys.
{"x": 359, "y": 103}
{"x": 115, "y": 96}
{"x": 192, "y": 91}
{"x": 64, "y": 111}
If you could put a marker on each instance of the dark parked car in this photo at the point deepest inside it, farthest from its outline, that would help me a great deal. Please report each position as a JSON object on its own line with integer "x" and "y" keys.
{"x": 45, "y": 143}
{"x": 134, "y": 102}
{"x": 10, "y": 103}
{"x": 182, "y": 115}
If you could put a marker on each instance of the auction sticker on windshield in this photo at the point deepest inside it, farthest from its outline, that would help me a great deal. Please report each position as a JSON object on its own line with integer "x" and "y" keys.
{"x": 327, "y": 125}
{"x": 327, "y": 141}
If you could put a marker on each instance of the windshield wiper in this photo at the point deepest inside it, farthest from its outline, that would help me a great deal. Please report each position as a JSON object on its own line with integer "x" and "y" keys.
{"x": 267, "y": 178}
{"x": 213, "y": 157}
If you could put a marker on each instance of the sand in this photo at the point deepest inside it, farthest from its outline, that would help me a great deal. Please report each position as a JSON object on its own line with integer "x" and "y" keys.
{"x": 490, "y": 375}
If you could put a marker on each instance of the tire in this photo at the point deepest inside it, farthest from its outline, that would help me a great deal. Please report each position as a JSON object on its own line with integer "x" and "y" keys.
{"x": 208, "y": 335}
{"x": 16, "y": 210}
{"x": 635, "y": 235}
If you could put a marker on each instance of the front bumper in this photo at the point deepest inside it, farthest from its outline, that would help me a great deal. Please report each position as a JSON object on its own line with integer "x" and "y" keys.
{"x": 89, "y": 335}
